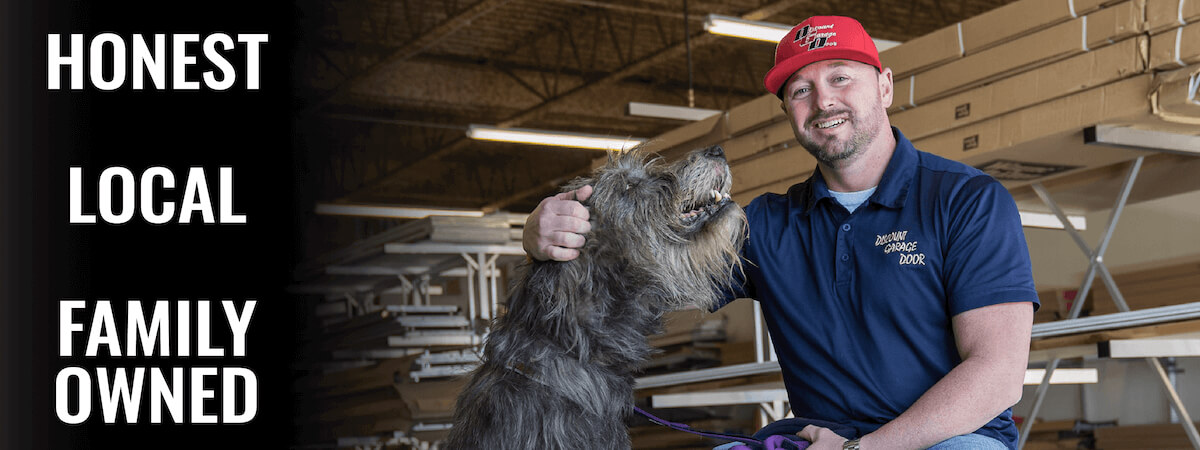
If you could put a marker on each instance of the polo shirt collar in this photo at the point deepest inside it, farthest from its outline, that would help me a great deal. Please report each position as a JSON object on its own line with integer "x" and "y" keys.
{"x": 893, "y": 187}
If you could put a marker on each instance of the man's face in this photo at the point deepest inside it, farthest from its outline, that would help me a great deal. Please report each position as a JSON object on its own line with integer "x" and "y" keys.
{"x": 837, "y": 108}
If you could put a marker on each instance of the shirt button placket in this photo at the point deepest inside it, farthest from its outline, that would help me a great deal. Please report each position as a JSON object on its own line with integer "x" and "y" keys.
{"x": 843, "y": 253}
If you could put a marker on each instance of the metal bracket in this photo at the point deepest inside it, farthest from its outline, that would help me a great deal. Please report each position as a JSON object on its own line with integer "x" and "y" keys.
{"x": 1133, "y": 138}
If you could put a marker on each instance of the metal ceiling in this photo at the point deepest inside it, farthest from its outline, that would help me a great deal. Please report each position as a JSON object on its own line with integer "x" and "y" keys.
{"x": 386, "y": 88}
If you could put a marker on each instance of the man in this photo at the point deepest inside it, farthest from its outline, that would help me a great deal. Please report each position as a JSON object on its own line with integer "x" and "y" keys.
{"x": 896, "y": 285}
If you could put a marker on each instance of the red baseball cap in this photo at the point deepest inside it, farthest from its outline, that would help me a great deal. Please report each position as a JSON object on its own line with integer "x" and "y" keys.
{"x": 819, "y": 38}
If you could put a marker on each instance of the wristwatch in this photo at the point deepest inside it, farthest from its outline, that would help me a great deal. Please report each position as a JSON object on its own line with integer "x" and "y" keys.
{"x": 850, "y": 445}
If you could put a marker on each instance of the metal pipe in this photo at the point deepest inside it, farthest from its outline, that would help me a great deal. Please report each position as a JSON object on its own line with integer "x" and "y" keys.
{"x": 1188, "y": 426}
{"x": 758, "y": 338}
{"x": 1037, "y": 403}
{"x": 492, "y": 275}
{"x": 1062, "y": 217}
{"x": 470, "y": 290}
{"x": 1127, "y": 186}
{"x": 1113, "y": 290}
{"x": 1149, "y": 316}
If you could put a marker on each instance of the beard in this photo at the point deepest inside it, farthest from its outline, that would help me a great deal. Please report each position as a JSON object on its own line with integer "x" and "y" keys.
{"x": 832, "y": 151}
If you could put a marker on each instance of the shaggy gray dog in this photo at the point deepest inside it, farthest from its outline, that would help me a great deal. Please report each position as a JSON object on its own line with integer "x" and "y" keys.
{"x": 558, "y": 368}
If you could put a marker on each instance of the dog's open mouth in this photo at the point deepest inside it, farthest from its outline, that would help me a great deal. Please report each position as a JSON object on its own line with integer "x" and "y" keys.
{"x": 700, "y": 211}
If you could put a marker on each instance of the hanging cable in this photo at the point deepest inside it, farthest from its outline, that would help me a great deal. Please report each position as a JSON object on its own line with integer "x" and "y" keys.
{"x": 687, "y": 39}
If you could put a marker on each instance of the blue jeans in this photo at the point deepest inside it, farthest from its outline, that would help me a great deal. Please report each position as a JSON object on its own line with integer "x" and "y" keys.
{"x": 969, "y": 442}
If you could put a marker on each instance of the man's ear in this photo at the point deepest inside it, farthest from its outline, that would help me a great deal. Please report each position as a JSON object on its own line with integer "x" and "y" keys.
{"x": 886, "y": 90}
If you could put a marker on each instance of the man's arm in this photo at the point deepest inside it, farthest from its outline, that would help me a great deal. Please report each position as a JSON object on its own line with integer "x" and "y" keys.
{"x": 554, "y": 230}
{"x": 993, "y": 342}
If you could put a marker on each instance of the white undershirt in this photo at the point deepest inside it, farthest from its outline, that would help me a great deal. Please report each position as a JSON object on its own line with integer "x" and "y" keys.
{"x": 852, "y": 200}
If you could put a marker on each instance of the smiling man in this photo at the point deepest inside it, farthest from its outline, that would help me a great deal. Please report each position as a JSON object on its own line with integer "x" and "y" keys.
{"x": 896, "y": 284}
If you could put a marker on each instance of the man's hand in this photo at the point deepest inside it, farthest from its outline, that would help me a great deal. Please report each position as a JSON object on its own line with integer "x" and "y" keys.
{"x": 554, "y": 230}
{"x": 821, "y": 438}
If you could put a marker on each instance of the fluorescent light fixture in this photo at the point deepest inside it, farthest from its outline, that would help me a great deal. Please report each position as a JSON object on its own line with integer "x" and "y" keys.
{"x": 761, "y": 31}
{"x": 393, "y": 212}
{"x": 1063, "y": 376}
{"x": 552, "y": 138}
{"x": 1047, "y": 220}
{"x": 669, "y": 111}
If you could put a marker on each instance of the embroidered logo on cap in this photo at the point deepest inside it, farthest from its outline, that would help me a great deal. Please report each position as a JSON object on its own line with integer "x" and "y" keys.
{"x": 811, "y": 36}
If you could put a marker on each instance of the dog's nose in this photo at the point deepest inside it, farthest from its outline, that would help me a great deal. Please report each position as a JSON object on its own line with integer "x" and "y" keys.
{"x": 715, "y": 152}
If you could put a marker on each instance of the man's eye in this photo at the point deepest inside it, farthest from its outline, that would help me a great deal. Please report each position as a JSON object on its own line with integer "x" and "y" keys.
{"x": 800, "y": 91}
{"x": 840, "y": 78}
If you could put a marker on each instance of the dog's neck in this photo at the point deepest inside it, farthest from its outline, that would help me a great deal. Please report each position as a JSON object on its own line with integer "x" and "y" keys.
{"x": 596, "y": 316}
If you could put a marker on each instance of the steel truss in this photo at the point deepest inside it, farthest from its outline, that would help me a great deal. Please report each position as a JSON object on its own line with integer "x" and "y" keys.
{"x": 1096, "y": 266}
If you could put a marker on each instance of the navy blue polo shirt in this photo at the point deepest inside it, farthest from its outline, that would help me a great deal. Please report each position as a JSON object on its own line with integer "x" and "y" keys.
{"x": 859, "y": 305}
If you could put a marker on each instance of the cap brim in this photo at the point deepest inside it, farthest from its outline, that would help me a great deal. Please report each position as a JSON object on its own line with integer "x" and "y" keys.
{"x": 779, "y": 74}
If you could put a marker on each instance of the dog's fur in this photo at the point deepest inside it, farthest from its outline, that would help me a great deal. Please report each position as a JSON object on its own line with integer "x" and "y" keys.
{"x": 558, "y": 368}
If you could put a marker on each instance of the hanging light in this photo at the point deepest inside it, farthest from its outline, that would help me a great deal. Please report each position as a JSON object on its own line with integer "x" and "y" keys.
{"x": 761, "y": 31}
{"x": 389, "y": 211}
{"x": 552, "y": 138}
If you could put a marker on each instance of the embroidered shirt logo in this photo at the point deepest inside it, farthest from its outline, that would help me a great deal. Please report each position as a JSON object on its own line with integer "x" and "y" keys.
{"x": 897, "y": 242}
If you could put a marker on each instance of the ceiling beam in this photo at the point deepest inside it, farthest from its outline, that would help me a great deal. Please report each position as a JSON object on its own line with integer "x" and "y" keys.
{"x": 633, "y": 68}
{"x": 414, "y": 47}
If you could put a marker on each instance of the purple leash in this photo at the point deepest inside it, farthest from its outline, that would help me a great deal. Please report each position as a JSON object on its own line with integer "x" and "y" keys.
{"x": 771, "y": 443}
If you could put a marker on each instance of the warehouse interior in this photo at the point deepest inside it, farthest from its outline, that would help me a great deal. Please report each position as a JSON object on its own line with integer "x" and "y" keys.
{"x": 411, "y": 227}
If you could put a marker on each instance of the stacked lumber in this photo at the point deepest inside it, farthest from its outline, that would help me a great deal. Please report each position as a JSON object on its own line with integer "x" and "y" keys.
{"x": 1056, "y": 435}
{"x": 1013, "y": 96}
{"x": 351, "y": 402}
{"x": 394, "y": 372}
{"x": 497, "y": 228}
{"x": 1164, "y": 283}
{"x": 1009, "y": 91}
{"x": 1129, "y": 437}
{"x": 1170, "y": 282}
{"x": 692, "y": 348}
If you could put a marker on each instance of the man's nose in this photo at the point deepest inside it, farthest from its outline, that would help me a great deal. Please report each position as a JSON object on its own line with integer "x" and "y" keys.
{"x": 825, "y": 99}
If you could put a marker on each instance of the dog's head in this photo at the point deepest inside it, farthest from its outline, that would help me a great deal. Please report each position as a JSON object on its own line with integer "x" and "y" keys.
{"x": 673, "y": 227}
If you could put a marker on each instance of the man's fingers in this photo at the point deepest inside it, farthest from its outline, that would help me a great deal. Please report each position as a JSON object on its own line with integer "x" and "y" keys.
{"x": 551, "y": 224}
{"x": 583, "y": 193}
{"x": 561, "y": 254}
{"x": 568, "y": 240}
{"x": 809, "y": 433}
{"x": 570, "y": 208}
{"x": 580, "y": 194}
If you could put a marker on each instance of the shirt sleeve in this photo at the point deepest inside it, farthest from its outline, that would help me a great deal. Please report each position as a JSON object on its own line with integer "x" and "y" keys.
{"x": 987, "y": 259}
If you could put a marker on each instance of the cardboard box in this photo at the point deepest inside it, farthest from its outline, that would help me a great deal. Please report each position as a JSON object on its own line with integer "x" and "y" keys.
{"x": 1088, "y": 33}
{"x": 902, "y": 94}
{"x": 1045, "y": 140}
{"x": 1175, "y": 48}
{"x": 1176, "y": 95}
{"x": 1075, "y": 74}
{"x": 1013, "y": 20}
{"x": 771, "y": 167}
{"x": 923, "y": 52}
{"x": 1164, "y": 14}
{"x": 980, "y": 32}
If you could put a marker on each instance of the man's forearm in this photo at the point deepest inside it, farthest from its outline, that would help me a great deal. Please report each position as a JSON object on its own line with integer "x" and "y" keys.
{"x": 972, "y": 394}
